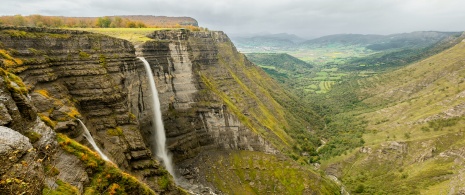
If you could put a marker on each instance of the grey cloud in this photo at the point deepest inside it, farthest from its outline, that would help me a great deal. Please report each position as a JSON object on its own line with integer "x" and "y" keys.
{"x": 307, "y": 18}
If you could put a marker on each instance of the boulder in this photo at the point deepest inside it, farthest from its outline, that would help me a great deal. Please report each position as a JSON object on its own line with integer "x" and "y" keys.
{"x": 13, "y": 146}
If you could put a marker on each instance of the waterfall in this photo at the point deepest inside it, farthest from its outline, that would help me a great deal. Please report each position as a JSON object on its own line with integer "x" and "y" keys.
{"x": 92, "y": 142}
{"x": 159, "y": 135}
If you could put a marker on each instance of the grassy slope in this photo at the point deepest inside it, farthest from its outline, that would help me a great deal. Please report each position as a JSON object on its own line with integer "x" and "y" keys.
{"x": 256, "y": 99}
{"x": 248, "y": 172}
{"x": 134, "y": 35}
{"x": 419, "y": 107}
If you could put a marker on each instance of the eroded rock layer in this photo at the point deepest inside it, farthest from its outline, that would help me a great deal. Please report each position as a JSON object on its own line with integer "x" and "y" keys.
{"x": 212, "y": 97}
{"x": 197, "y": 118}
{"x": 73, "y": 74}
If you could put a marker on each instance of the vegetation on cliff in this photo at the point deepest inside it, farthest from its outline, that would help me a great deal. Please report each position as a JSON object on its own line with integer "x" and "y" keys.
{"x": 270, "y": 114}
{"x": 105, "y": 177}
{"x": 98, "y": 22}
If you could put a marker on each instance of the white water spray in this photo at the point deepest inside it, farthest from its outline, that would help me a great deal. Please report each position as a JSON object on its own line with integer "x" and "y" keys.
{"x": 159, "y": 136}
{"x": 92, "y": 142}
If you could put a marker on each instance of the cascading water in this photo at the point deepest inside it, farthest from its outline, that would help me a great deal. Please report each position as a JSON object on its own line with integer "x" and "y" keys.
{"x": 159, "y": 136}
{"x": 92, "y": 142}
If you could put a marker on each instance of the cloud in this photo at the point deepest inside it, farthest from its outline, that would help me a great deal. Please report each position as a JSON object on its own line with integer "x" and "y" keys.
{"x": 303, "y": 17}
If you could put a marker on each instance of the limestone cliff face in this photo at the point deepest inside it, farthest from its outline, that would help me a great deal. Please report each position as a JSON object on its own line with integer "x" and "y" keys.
{"x": 72, "y": 74}
{"x": 196, "y": 118}
{"x": 213, "y": 99}
{"x": 216, "y": 104}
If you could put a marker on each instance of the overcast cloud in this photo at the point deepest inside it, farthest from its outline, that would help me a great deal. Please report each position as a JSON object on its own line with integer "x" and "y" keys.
{"x": 306, "y": 18}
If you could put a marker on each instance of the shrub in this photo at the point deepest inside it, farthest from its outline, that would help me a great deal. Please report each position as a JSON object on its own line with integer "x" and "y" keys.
{"x": 360, "y": 188}
{"x": 33, "y": 136}
{"x": 118, "y": 131}
{"x": 62, "y": 189}
{"x": 47, "y": 120}
{"x": 83, "y": 55}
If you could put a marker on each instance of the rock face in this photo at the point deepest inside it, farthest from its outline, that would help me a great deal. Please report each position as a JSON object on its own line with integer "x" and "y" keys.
{"x": 196, "y": 117}
{"x": 212, "y": 97}
{"x": 71, "y": 75}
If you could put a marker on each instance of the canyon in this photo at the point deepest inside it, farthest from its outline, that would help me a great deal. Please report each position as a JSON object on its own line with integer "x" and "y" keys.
{"x": 226, "y": 126}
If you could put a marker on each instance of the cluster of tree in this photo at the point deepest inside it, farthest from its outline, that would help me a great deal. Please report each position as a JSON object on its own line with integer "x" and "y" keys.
{"x": 118, "y": 22}
{"x": 79, "y": 22}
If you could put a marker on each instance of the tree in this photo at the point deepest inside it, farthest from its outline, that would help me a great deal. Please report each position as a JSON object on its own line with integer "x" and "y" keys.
{"x": 140, "y": 25}
{"x": 117, "y": 22}
{"x": 130, "y": 24}
{"x": 104, "y": 22}
{"x": 19, "y": 20}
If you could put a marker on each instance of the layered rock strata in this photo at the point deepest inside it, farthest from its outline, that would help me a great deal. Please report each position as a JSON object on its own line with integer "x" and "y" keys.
{"x": 73, "y": 74}
{"x": 212, "y": 97}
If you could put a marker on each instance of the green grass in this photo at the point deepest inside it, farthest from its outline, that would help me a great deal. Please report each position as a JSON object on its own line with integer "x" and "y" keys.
{"x": 13, "y": 82}
{"x": 134, "y": 35}
{"x": 331, "y": 54}
{"x": 247, "y": 172}
{"x": 62, "y": 189}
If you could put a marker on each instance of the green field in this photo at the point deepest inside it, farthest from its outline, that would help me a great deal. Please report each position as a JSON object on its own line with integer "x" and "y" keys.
{"x": 331, "y": 54}
{"x": 134, "y": 35}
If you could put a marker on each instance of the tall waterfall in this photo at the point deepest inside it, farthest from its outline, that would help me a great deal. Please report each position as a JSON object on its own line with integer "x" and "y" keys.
{"x": 159, "y": 135}
{"x": 92, "y": 142}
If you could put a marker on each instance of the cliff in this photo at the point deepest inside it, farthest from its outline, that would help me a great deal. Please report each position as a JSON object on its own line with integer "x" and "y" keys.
{"x": 72, "y": 74}
{"x": 214, "y": 102}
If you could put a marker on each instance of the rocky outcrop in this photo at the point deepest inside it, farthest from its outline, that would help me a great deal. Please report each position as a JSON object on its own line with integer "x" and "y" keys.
{"x": 26, "y": 143}
{"x": 14, "y": 146}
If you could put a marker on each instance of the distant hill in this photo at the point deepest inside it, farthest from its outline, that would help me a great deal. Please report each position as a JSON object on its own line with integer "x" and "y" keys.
{"x": 278, "y": 60}
{"x": 266, "y": 43}
{"x": 401, "y": 49}
{"x": 289, "y": 43}
{"x": 381, "y": 42}
{"x": 344, "y": 39}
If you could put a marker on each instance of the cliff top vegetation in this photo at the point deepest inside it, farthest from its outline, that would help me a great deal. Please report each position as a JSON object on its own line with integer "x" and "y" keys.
{"x": 99, "y": 22}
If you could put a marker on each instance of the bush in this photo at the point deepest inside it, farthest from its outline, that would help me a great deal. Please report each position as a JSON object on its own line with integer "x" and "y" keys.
{"x": 360, "y": 188}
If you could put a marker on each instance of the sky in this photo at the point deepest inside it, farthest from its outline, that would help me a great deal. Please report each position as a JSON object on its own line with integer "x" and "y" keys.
{"x": 305, "y": 18}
